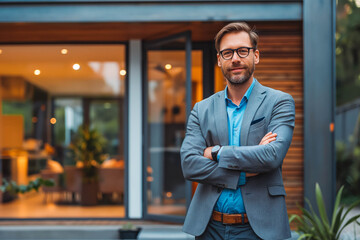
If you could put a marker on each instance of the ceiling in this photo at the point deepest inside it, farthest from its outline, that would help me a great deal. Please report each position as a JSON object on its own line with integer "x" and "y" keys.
{"x": 99, "y": 72}
{"x": 115, "y": 32}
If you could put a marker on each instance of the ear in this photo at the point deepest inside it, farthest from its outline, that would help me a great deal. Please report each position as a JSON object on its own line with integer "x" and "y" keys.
{"x": 257, "y": 56}
{"x": 218, "y": 60}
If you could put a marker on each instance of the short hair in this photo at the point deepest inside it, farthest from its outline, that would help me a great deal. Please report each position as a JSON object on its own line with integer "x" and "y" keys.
{"x": 237, "y": 27}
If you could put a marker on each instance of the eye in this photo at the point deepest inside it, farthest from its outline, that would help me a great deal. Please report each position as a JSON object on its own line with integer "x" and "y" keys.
{"x": 227, "y": 53}
{"x": 243, "y": 51}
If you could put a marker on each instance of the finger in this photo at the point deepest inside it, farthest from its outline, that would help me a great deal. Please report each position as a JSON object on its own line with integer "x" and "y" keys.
{"x": 251, "y": 174}
{"x": 264, "y": 142}
{"x": 270, "y": 140}
{"x": 269, "y": 137}
{"x": 269, "y": 133}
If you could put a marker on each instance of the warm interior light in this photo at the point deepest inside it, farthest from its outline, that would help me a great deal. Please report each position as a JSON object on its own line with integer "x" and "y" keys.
{"x": 169, "y": 194}
{"x": 122, "y": 72}
{"x": 34, "y": 119}
{"x": 168, "y": 66}
{"x": 0, "y": 51}
{"x": 64, "y": 51}
{"x": 76, "y": 66}
{"x": 53, "y": 120}
{"x": 37, "y": 72}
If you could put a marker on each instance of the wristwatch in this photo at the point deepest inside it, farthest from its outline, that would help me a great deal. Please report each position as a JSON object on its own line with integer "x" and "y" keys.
{"x": 214, "y": 152}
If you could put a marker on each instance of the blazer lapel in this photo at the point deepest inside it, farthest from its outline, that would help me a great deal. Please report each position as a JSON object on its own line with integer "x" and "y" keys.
{"x": 256, "y": 98}
{"x": 221, "y": 121}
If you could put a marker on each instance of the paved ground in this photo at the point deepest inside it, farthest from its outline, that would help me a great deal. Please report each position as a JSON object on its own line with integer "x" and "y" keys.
{"x": 352, "y": 231}
{"x": 106, "y": 230}
{"x": 148, "y": 232}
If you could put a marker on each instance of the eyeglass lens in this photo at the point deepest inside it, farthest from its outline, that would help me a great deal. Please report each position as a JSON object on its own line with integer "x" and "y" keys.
{"x": 242, "y": 52}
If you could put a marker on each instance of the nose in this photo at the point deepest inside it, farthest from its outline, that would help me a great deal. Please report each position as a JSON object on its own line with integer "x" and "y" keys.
{"x": 236, "y": 58}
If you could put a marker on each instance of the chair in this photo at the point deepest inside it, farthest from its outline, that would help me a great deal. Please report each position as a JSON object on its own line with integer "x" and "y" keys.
{"x": 111, "y": 180}
{"x": 73, "y": 180}
{"x": 48, "y": 174}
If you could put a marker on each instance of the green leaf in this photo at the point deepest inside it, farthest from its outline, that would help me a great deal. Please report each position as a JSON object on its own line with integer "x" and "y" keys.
{"x": 337, "y": 224}
{"x": 350, "y": 208}
{"x": 293, "y": 217}
{"x": 321, "y": 204}
{"x": 351, "y": 220}
{"x": 319, "y": 227}
{"x": 322, "y": 210}
{"x": 336, "y": 206}
{"x": 305, "y": 236}
{"x": 23, "y": 188}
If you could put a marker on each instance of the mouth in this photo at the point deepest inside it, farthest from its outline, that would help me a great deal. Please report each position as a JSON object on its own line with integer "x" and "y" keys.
{"x": 237, "y": 69}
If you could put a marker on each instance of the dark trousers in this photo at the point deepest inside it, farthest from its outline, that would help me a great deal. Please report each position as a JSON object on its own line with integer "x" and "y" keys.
{"x": 216, "y": 230}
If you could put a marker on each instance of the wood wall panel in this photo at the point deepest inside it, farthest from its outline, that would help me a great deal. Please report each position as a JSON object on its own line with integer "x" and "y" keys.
{"x": 281, "y": 67}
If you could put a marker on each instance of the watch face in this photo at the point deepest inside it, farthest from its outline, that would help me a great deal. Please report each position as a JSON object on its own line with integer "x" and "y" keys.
{"x": 215, "y": 149}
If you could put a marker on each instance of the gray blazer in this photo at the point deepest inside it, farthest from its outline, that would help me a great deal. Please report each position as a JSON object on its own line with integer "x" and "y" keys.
{"x": 264, "y": 195}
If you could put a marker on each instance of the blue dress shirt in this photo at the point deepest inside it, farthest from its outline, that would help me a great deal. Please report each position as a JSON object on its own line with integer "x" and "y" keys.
{"x": 231, "y": 201}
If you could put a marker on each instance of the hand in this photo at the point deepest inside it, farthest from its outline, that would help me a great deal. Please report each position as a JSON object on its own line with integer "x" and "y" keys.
{"x": 251, "y": 174}
{"x": 207, "y": 153}
{"x": 268, "y": 138}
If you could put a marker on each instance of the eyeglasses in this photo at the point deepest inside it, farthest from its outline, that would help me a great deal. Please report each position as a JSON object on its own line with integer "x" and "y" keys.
{"x": 242, "y": 52}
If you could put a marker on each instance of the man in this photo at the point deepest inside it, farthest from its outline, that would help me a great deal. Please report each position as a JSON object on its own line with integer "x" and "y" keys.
{"x": 234, "y": 147}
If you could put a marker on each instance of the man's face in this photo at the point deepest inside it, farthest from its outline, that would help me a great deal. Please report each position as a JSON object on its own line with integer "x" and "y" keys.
{"x": 237, "y": 70}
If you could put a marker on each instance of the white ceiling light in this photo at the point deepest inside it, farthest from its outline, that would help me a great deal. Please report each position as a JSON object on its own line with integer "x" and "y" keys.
{"x": 76, "y": 66}
{"x": 64, "y": 51}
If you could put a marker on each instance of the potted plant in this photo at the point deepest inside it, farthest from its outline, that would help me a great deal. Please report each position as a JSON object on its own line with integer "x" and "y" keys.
{"x": 129, "y": 231}
{"x": 88, "y": 148}
{"x": 11, "y": 189}
{"x": 317, "y": 226}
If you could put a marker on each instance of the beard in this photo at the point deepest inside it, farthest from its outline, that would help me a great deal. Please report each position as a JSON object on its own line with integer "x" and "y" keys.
{"x": 238, "y": 79}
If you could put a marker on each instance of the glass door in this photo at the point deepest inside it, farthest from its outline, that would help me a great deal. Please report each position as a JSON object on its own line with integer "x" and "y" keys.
{"x": 168, "y": 87}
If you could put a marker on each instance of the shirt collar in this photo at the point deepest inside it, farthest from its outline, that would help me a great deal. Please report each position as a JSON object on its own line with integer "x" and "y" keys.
{"x": 247, "y": 93}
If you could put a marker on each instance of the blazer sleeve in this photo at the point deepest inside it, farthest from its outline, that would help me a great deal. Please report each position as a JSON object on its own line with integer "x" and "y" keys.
{"x": 198, "y": 168}
{"x": 264, "y": 158}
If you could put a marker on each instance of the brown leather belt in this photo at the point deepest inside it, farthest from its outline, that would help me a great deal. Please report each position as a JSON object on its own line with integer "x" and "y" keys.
{"x": 230, "y": 218}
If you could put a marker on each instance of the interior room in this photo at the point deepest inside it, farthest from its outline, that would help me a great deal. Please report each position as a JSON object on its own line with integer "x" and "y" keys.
{"x": 50, "y": 94}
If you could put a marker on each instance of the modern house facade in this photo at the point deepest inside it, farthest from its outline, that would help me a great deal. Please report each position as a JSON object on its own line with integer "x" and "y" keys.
{"x": 133, "y": 70}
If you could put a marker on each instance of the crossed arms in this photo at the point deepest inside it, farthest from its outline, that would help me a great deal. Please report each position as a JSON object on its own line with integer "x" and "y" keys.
{"x": 236, "y": 159}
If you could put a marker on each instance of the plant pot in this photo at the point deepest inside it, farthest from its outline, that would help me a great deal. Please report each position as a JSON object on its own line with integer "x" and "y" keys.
{"x": 89, "y": 193}
{"x": 8, "y": 197}
{"x": 129, "y": 234}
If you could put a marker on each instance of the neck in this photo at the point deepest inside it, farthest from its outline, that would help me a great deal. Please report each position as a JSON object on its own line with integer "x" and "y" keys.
{"x": 237, "y": 92}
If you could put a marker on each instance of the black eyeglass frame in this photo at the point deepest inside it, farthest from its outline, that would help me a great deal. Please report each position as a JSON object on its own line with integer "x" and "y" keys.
{"x": 237, "y": 52}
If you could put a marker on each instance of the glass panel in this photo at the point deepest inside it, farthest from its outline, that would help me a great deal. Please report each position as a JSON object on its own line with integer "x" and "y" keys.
{"x": 47, "y": 93}
{"x": 69, "y": 117}
{"x": 104, "y": 116}
{"x": 166, "y": 71}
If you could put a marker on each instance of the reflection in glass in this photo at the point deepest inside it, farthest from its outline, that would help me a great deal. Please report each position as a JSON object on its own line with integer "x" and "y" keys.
{"x": 166, "y": 127}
